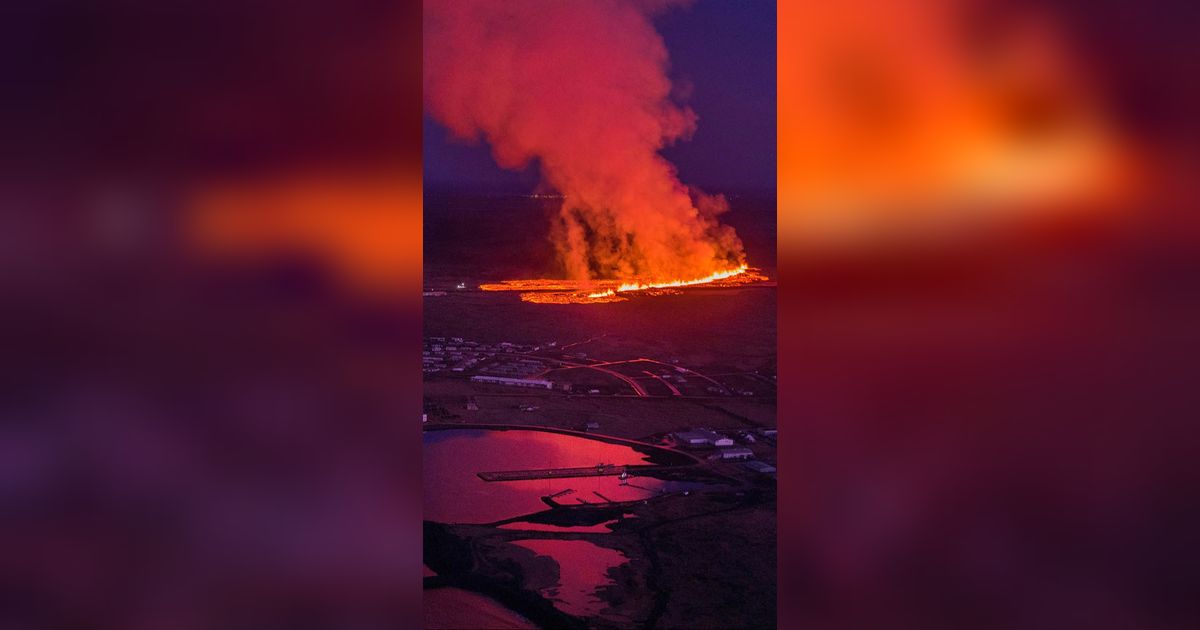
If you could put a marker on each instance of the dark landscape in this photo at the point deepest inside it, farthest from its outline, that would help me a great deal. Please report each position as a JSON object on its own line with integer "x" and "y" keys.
{"x": 691, "y": 539}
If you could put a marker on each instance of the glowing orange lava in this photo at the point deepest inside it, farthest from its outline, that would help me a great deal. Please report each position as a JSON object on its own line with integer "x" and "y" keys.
{"x": 563, "y": 297}
{"x": 541, "y": 284}
{"x": 635, "y": 286}
{"x": 551, "y": 291}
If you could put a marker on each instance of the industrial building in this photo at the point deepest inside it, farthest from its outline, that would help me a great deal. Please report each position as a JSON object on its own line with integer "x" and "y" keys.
{"x": 515, "y": 382}
{"x": 692, "y": 438}
{"x": 759, "y": 467}
{"x": 702, "y": 437}
{"x": 735, "y": 452}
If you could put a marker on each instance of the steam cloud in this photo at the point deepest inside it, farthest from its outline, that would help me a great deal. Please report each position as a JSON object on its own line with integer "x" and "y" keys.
{"x": 582, "y": 88}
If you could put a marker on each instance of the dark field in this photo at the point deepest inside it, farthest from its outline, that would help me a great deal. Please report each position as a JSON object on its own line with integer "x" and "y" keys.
{"x": 732, "y": 328}
{"x": 621, "y": 416}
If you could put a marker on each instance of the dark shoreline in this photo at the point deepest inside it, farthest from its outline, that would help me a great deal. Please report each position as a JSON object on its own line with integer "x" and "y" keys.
{"x": 454, "y": 556}
{"x": 452, "y": 559}
{"x": 673, "y": 457}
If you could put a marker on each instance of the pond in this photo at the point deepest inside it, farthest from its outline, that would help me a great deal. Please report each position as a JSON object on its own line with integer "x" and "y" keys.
{"x": 454, "y": 493}
{"x": 582, "y": 571}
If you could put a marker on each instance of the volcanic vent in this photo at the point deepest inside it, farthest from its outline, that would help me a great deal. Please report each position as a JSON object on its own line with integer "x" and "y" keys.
{"x": 582, "y": 90}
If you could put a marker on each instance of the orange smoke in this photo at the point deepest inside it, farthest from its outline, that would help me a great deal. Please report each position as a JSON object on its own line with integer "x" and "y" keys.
{"x": 582, "y": 89}
{"x": 903, "y": 120}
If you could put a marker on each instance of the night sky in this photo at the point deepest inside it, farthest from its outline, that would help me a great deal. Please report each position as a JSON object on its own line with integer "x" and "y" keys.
{"x": 724, "y": 54}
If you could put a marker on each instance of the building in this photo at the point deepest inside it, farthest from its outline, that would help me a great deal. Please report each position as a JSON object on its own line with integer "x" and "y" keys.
{"x": 693, "y": 438}
{"x": 515, "y": 382}
{"x": 702, "y": 437}
{"x": 759, "y": 467}
{"x": 736, "y": 452}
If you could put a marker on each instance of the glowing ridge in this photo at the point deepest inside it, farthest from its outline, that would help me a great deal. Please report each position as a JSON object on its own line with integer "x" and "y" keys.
{"x": 634, "y": 286}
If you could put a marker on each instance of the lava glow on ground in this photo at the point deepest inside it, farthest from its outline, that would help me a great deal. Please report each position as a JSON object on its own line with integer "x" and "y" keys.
{"x": 550, "y": 291}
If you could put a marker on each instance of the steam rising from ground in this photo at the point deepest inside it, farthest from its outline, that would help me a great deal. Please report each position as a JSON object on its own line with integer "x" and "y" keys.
{"x": 582, "y": 88}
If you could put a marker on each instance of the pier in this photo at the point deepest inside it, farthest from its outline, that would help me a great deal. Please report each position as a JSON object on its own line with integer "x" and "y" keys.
{"x": 559, "y": 473}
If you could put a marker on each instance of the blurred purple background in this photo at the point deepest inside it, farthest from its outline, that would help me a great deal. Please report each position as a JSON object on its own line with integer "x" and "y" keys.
{"x": 219, "y": 430}
{"x": 210, "y": 427}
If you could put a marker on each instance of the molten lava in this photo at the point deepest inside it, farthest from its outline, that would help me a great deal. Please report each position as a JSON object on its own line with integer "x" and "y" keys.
{"x": 635, "y": 286}
{"x": 550, "y": 291}
{"x": 563, "y": 297}
{"x": 531, "y": 285}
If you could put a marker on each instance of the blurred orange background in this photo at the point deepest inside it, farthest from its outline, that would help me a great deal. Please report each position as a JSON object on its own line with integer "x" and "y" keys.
{"x": 989, "y": 282}
{"x": 921, "y": 121}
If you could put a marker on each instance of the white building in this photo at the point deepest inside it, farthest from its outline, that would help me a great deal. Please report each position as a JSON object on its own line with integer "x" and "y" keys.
{"x": 702, "y": 437}
{"x": 515, "y": 382}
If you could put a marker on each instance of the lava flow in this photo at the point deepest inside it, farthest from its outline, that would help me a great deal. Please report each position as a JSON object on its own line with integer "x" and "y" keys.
{"x": 635, "y": 286}
{"x": 550, "y": 291}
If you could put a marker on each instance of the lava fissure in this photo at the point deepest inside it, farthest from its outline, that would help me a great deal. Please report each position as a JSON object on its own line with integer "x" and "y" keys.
{"x": 554, "y": 291}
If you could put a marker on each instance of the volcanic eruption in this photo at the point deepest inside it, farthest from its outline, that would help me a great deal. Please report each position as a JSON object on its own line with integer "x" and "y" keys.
{"x": 582, "y": 90}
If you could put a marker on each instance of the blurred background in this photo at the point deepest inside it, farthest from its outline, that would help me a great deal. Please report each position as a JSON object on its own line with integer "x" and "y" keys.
{"x": 211, "y": 224}
{"x": 211, "y": 257}
{"x": 988, "y": 266}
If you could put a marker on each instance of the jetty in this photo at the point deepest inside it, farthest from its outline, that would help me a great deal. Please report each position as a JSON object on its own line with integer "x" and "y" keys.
{"x": 603, "y": 470}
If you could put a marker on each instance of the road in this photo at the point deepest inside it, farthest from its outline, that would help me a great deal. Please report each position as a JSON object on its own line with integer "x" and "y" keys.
{"x": 674, "y": 391}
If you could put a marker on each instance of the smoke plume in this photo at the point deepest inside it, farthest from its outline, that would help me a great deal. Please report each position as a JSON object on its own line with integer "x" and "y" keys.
{"x": 582, "y": 89}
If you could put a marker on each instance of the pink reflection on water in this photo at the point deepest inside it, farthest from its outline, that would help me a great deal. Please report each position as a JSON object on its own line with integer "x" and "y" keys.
{"x": 583, "y": 569}
{"x": 455, "y": 494}
{"x": 602, "y": 528}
